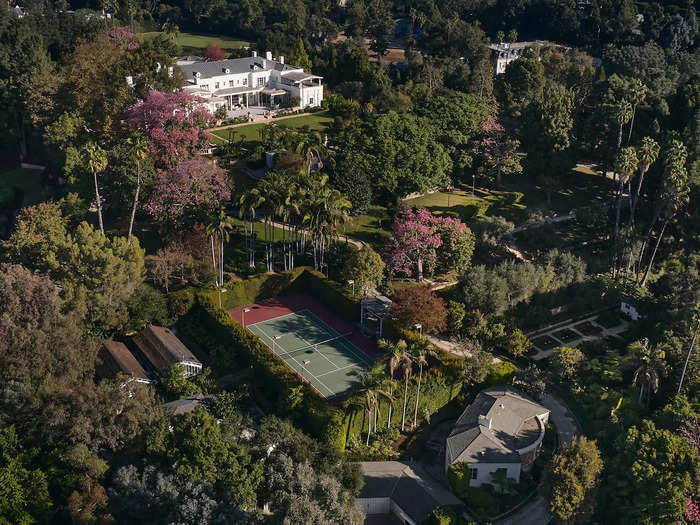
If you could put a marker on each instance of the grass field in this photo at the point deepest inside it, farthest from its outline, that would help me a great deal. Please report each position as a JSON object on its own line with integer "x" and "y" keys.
{"x": 251, "y": 132}
{"x": 28, "y": 180}
{"x": 200, "y": 41}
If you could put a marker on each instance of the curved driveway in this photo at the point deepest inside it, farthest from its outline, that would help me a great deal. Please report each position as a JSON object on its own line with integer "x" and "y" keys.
{"x": 536, "y": 512}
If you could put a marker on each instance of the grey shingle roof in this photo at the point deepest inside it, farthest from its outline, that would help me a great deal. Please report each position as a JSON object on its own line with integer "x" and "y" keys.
{"x": 407, "y": 485}
{"x": 235, "y": 65}
{"x": 512, "y": 427}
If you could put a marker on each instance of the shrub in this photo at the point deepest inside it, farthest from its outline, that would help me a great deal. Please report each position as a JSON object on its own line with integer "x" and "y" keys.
{"x": 419, "y": 304}
{"x": 455, "y": 316}
{"x": 501, "y": 373}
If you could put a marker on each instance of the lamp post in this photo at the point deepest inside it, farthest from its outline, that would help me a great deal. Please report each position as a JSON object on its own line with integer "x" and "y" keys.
{"x": 243, "y": 312}
{"x": 419, "y": 327}
{"x": 352, "y": 283}
{"x": 473, "y": 183}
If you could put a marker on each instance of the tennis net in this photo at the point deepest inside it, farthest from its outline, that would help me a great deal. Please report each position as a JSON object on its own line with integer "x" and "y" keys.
{"x": 313, "y": 347}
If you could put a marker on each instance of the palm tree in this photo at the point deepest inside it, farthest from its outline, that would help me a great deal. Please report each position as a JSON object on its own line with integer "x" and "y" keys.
{"x": 395, "y": 351}
{"x": 138, "y": 149}
{"x": 171, "y": 29}
{"x": 650, "y": 365}
{"x": 648, "y": 152}
{"x": 419, "y": 351}
{"x": 637, "y": 92}
{"x": 219, "y": 227}
{"x": 407, "y": 367}
{"x": 370, "y": 386}
{"x": 625, "y": 166}
{"x": 623, "y": 114}
{"x": 311, "y": 146}
{"x": 326, "y": 210}
{"x": 674, "y": 193}
{"x": 96, "y": 162}
{"x": 247, "y": 206}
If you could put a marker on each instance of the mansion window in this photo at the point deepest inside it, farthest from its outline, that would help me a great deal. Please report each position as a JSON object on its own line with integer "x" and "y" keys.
{"x": 205, "y": 87}
{"x": 230, "y": 83}
{"x": 245, "y": 81}
{"x": 474, "y": 473}
{"x": 261, "y": 81}
{"x": 216, "y": 85}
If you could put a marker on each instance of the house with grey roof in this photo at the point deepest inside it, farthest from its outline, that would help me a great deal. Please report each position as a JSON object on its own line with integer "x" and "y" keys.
{"x": 397, "y": 491}
{"x": 251, "y": 81}
{"x": 502, "y": 429}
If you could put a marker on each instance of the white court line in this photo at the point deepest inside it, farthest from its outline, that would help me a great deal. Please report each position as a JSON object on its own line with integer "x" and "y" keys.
{"x": 272, "y": 319}
{"x": 356, "y": 365}
{"x": 332, "y": 393}
{"x": 363, "y": 357}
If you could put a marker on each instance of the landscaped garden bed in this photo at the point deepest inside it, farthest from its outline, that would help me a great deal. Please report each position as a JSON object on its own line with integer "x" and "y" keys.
{"x": 567, "y": 335}
{"x": 588, "y": 328}
{"x": 545, "y": 342}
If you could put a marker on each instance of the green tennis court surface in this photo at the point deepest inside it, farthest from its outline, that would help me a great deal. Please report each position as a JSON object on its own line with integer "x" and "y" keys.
{"x": 314, "y": 350}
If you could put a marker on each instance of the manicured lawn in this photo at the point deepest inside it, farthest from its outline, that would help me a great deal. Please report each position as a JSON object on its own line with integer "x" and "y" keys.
{"x": 251, "y": 132}
{"x": 373, "y": 227}
{"x": 200, "y": 41}
{"x": 28, "y": 180}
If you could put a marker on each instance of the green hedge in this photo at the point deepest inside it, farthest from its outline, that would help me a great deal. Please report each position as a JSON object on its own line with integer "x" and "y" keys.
{"x": 312, "y": 413}
{"x": 303, "y": 278}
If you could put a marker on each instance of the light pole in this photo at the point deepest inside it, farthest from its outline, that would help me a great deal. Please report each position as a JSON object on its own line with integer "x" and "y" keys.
{"x": 243, "y": 312}
{"x": 473, "y": 183}
{"x": 419, "y": 327}
{"x": 352, "y": 283}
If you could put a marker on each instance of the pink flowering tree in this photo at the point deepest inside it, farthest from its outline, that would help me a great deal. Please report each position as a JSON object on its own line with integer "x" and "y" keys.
{"x": 190, "y": 193}
{"x": 421, "y": 241}
{"x": 123, "y": 37}
{"x": 692, "y": 510}
{"x": 414, "y": 242}
{"x": 173, "y": 123}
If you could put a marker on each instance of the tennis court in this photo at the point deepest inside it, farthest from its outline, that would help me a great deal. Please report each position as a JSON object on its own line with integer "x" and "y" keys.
{"x": 322, "y": 356}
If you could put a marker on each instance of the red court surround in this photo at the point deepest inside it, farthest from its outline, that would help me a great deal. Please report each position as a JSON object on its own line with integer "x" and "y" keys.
{"x": 279, "y": 306}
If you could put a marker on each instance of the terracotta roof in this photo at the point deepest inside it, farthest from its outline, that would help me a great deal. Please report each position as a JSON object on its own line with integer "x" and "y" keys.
{"x": 115, "y": 357}
{"x": 162, "y": 348}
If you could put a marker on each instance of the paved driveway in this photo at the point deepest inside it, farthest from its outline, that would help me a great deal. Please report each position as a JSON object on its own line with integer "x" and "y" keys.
{"x": 536, "y": 512}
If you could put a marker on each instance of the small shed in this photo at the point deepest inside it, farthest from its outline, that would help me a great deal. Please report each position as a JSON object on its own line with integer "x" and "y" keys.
{"x": 629, "y": 306}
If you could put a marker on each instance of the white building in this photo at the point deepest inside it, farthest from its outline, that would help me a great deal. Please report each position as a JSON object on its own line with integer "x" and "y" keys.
{"x": 504, "y": 53}
{"x": 251, "y": 81}
{"x": 501, "y": 430}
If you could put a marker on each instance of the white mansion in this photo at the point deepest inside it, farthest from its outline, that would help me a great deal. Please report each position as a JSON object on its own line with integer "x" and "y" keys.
{"x": 251, "y": 81}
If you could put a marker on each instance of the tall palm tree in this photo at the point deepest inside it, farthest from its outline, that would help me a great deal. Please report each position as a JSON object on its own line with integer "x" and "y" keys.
{"x": 97, "y": 162}
{"x": 406, "y": 365}
{"x": 623, "y": 114}
{"x": 648, "y": 152}
{"x": 637, "y": 92}
{"x": 650, "y": 365}
{"x": 419, "y": 352}
{"x": 674, "y": 193}
{"x": 138, "y": 149}
{"x": 248, "y": 204}
{"x": 395, "y": 351}
{"x": 371, "y": 388}
{"x": 220, "y": 227}
{"x": 625, "y": 166}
